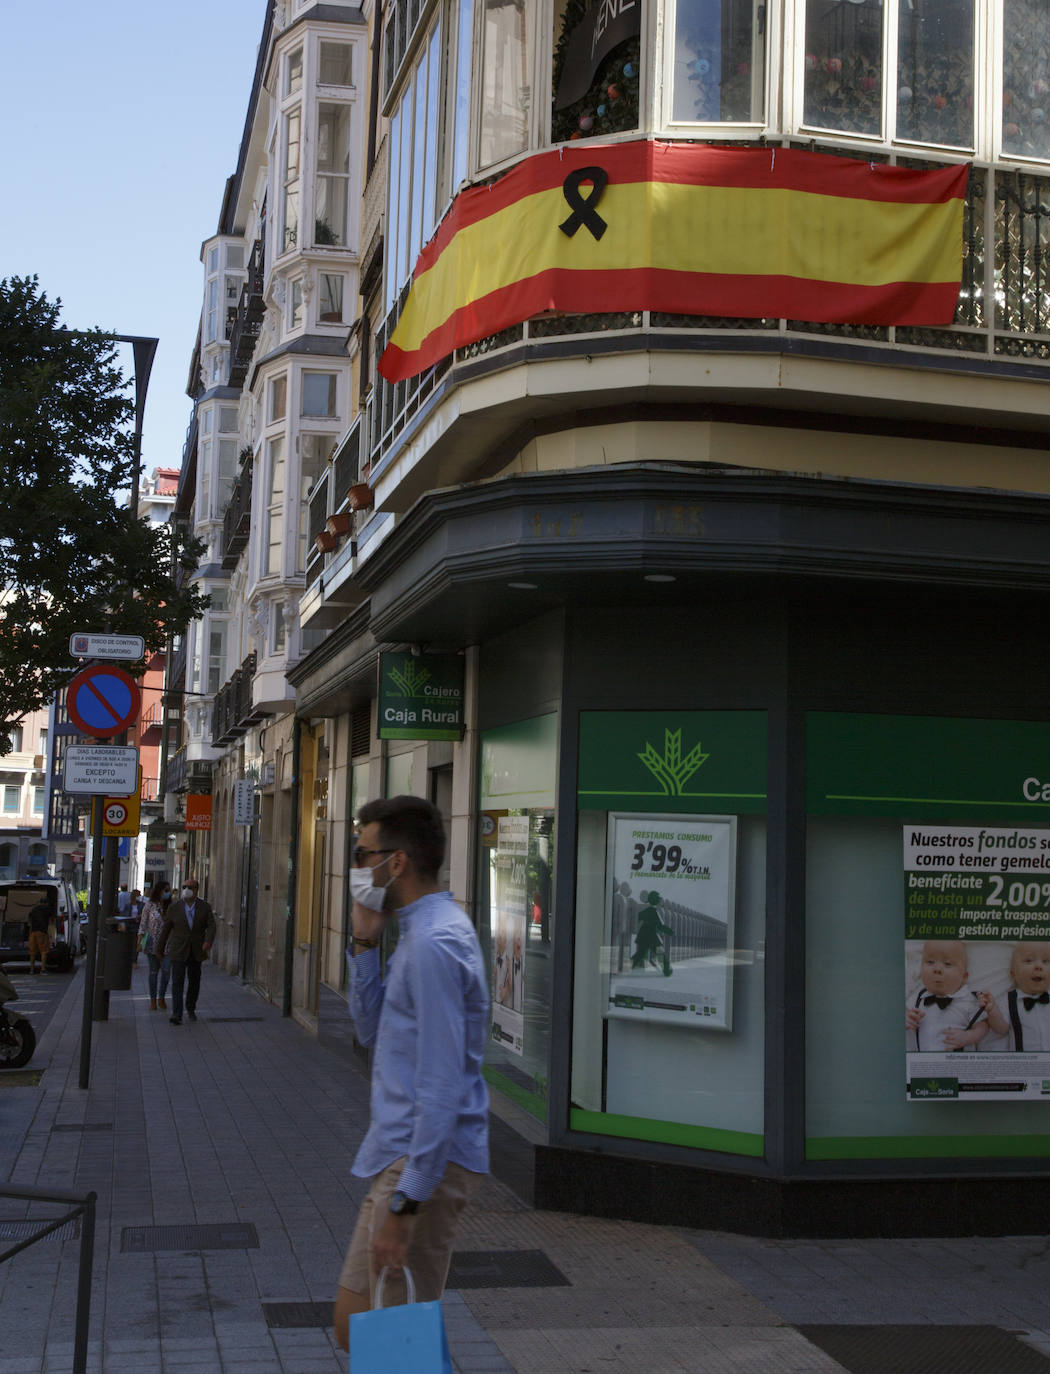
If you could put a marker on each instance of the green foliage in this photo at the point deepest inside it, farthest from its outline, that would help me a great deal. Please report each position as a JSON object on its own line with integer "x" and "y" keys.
{"x": 72, "y": 556}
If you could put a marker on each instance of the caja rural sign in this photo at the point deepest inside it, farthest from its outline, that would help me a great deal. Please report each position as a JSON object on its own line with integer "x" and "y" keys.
{"x": 420, "y": 696}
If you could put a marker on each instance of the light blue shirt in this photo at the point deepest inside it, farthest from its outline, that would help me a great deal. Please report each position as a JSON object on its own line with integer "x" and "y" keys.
{"x": 429, "y": 1024}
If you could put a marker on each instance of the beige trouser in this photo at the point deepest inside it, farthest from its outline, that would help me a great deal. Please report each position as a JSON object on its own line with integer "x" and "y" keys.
{"x": 430, "y": 1253}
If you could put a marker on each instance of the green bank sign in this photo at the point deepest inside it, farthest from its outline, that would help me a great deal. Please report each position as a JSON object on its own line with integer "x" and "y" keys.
{"x": 673, "y": 761}
{"x": 928, "y": 768}
{"x": 420, "y": 696}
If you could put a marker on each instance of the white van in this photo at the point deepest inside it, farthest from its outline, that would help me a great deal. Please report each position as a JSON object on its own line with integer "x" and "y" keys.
{"x": 17, "y": 899}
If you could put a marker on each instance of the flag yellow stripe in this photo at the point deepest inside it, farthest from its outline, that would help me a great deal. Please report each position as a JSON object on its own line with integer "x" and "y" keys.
{"x": 713, "y": 229}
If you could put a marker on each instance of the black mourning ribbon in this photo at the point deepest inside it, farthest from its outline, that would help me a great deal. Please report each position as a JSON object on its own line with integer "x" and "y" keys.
{"x": 1030, "y": 1002}
{"x": 943, "y": 1002}
{"x": 583, "y": 207}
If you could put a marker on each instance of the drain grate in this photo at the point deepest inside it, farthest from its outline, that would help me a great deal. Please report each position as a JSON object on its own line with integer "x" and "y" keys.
{"x": 234, "y": 1235}
{"x": 22, "y": 1230}
{"x": 84, "y": 1126}
{"x": 297, "y": 1314}
{"x": 229, "y": 1020}
{"x": 925, "y": 1349}
{"x": 504, "y": 1269}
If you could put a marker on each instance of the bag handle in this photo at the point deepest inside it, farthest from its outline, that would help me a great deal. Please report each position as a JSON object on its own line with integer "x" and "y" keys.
{"x": 410, "y": 1287}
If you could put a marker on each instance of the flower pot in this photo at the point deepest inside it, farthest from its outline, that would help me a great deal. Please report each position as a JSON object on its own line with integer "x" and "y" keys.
{"x": 326, "y": 542}
{"x": 338, "y": 524}
{"x": 361, "y": 496}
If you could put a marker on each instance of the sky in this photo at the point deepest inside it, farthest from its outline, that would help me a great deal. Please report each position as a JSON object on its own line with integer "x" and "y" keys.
{"x": 123, "y": 121}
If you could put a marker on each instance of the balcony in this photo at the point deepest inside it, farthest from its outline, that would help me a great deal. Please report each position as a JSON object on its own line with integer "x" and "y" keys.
{"x": 244, "y": 331}
{"x": 183, "y": 774}
{"x": 236, "y": 522}
{"x": 234, "y": 713}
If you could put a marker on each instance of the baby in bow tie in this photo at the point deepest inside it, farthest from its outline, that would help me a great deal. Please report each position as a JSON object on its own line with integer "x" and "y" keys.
{"x": 945, "y": 1015}
{"x": 1027, "y": 1020}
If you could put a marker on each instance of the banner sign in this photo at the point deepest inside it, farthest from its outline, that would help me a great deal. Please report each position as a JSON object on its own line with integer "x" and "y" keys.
{"x": 670, "y": 892}
{"x": 198, "y": 811}
{"x": 244, "y": 802}
{"x": 421, "y": 696}
{"x": 977, "y": 957}
{"x": 690, "y": 229}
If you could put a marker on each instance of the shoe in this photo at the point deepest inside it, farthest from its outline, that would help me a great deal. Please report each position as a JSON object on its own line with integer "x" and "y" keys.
{"x": 153, "y": 1004}
{"x": 192, "y": 1015}
{"x": 175, "y": 1020}
{"x": 161, "y": 1004}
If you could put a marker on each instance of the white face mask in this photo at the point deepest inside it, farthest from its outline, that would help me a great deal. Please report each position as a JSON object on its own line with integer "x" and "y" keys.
{"x": 188, "y": 894}
{"x": 364, "y": 890}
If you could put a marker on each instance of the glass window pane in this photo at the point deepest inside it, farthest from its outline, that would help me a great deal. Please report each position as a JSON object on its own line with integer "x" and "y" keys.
{"x": 1026, "y": 78}
{"x": 935, "y": 73}
{"x": 12, "y": 798}
{"x": 336, "y": 64}
{"x": 506, "y": 91}
{"x": 844, "y": 66}
{"x": 319, "y": 393}
{"x": 296, "y": 304}
{"x": 228, "y": 420}
{"x": 293, "y": 77}
{"x": 719, "y": 61}
{"x": 291, "y": 181}
{"x": 331, "y": 303}
{"x": 405, "y": 262}
{"x": 430, "y": 196}
{"x": 333, "y": 174}
{"x": 419, "y": 143}
{"x": 390, "y": 276}
{"x": 278, "y": 397}
{"x": 275, "y": 510}
{"x": 38, "y": 800}
{"x": 462, "y": 109}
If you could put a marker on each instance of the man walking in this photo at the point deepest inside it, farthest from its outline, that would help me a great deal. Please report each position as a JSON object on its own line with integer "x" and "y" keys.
{"x": 427, "y": 1143}
{"x": 187, "y": 935}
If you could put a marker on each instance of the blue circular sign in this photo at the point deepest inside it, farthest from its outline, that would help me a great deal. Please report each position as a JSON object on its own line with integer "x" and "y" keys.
{"x": 102, "y": 701}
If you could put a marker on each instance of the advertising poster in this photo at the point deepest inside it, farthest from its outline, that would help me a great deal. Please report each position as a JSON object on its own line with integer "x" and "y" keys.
{"x": 508, "y": 907}
{"x": 669, "y": 919}
{"x": 977, "y": 963}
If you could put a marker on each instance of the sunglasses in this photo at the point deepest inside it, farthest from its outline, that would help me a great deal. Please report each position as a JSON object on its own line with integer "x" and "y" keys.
{"x": 361, "y": 854}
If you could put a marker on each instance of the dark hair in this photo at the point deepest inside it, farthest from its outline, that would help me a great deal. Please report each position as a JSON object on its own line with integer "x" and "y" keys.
{"x": 156, "y": 892}
{"x": 411, "y": 824}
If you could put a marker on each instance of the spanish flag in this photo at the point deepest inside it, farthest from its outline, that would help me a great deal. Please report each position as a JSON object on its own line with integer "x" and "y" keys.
{"x": 748, "y": 233}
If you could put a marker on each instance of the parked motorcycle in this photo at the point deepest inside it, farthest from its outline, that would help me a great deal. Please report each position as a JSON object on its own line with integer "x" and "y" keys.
{"x": 17, "y": 1036}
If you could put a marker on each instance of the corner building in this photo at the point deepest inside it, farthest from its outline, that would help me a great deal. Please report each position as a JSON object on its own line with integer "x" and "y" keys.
{"x": 741, "y": 604}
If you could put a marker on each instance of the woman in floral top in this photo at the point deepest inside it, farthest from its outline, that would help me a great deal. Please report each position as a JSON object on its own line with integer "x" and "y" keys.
{"x": 150, "y": 927}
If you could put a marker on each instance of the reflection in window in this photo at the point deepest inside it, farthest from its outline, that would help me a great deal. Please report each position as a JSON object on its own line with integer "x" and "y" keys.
{"x": 331, "y": 303}
{"x": 333, "y": 174}
{"x": 719, "y": 61}
{"x": 293, "y": 77}
{"x": 844, "y": 66}
{"x": 461, "y": 115}
{"x": 319, "y": 393}
{"x": 278, "y": 397}
{"x": 1026, "y": 78}
{"x": 506, "y": 93}
{"x": 935, "y": 73}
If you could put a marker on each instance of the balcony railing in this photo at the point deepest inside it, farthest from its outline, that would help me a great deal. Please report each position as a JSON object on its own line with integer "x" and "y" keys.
{"x": 232, "y": 714}
{"x": 1003, "y": 309}
{"x": 183, "y": 774}
{"x": 250, "y": 311}
{"x": 236, "y": 522}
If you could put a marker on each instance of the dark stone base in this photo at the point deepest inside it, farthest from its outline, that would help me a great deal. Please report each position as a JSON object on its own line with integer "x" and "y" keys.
{"x": 630, "y": 1189}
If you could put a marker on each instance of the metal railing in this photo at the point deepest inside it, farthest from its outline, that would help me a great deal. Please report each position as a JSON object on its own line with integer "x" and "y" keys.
{"x": 82, "y": 1206}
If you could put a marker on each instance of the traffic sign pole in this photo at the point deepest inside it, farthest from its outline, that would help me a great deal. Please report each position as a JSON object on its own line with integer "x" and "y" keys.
{"x": 92, "y": 944}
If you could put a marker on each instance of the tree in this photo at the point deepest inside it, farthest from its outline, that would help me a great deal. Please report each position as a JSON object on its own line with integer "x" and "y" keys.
{"x": 72, "y": 555}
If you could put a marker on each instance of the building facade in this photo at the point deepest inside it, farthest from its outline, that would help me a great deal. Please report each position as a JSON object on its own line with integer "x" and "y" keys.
{"x": 733, "y": 598}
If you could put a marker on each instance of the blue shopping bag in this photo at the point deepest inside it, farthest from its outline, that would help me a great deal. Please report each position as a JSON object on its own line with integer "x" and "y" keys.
{"x": 399, "y": 1340}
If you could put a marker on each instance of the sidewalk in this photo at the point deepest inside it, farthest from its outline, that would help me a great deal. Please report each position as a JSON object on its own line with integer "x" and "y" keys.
{"x": 249, "y": 1125}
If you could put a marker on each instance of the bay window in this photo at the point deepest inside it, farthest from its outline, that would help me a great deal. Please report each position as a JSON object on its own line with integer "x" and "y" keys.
{"x": 330, "y": 306}
{"x": 333, "y": 174}
{"x": 335, "y": 65}
{"x": 274, "y": 507}
{"x": 290, "y": 182}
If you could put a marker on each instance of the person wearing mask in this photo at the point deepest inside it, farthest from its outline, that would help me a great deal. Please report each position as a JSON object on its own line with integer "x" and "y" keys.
{"x": 426, "y": 1149}
{"x": 187, "y": 935}
{"x": 151, "y": 925}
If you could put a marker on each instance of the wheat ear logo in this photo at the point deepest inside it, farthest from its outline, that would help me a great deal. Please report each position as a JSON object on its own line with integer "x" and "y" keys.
{"x": 672, "y": 771}
{"x": 409, "y": 679}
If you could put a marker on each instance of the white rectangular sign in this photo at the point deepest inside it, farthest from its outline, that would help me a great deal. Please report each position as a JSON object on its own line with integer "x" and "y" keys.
{"x": 130, "y": 647}
{"x": 243, "y": 802}
{"x": 112, "y": 770}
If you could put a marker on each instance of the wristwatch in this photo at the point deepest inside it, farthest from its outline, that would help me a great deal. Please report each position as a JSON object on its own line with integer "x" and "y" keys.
{"x": 403, "y": 1206}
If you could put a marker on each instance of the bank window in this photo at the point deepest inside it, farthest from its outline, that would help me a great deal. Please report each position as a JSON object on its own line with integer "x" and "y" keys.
{"x": 12, "y": 798}
{"x": 333, "y": 175}
{"x": 319, "y": 393}
{"x": 330, "y": 306}
{"x": 506, "y": 86}
{"x": 719, "y": 62}
{"x": 594, "y": 84}
{"x": 336, "y": 66}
